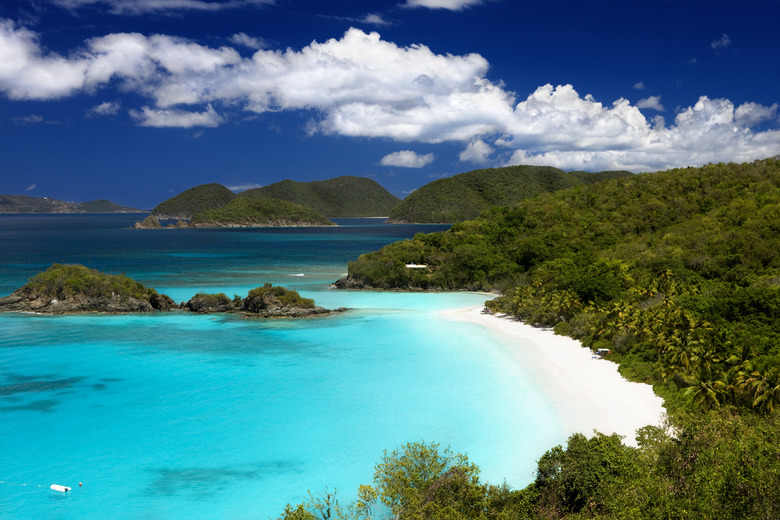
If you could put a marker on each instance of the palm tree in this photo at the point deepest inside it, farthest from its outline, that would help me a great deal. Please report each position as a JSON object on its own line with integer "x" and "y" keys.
{"x": 764, "y": 389}
{"x": 704, "y": 394}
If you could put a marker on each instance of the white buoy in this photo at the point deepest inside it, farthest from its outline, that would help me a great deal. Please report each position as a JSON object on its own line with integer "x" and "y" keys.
{"x": 57, "y": 487}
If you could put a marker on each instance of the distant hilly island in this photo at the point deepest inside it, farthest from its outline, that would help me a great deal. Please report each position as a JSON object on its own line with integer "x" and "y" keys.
{"x": 15, "y": 204}
{"x": 340, "y": 197}
{"x": 453, "y": 199}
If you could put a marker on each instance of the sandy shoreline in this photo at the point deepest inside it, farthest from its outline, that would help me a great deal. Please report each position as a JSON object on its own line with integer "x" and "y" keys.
{"x": 587, "y": 392}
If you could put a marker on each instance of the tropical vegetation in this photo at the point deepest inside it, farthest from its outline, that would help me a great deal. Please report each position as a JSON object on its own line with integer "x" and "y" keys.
{"x": 194, "y": 200}
{"x": 464, "y": 196}
{"x": 76, "y": 288}
{"x": 339, "y": 197}
{"x": 245, "y": 212}
{"x": 677, "y": 274}
{"x": 716, "y": 466}
{"x": 345, "y": 196}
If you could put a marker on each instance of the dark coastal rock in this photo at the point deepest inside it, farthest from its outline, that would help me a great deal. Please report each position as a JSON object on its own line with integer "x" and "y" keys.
{"x": 161, "y": 302}
{"x": 349, "y": 283}
{"x": 24, "y": 302}
{"x": 179, "y": 224}
{"x": 207, "y": 303}
{"x": 150, "y": 222}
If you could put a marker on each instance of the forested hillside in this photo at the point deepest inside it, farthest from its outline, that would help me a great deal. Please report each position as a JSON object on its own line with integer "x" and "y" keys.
{"x": 194, "y": 200}
{"x": 466, "y": 195}
{"x": 245, "y": 212}
{"x": 340, "y": 197}
{"x": 677, "y": 273}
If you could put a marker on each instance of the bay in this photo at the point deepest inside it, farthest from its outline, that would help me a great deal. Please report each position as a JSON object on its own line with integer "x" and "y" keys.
{"x": 187, "y": 416}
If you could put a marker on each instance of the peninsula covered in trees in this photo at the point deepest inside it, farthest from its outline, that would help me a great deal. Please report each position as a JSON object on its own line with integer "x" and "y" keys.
{"x": 677, "y": 274}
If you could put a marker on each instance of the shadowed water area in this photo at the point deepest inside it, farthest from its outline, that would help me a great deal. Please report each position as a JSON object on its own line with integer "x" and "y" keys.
{"x": 216, "y": 416}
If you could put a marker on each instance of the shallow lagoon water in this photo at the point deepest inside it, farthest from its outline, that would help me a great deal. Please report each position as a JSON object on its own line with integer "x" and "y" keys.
{"x": 216, "y": 416}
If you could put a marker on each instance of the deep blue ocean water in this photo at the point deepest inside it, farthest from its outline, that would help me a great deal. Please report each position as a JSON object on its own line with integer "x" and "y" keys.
{"x": 175, "y": 415}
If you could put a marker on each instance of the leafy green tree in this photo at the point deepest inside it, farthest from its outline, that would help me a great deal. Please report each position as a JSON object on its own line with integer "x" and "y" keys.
{"x": 418, "y": 477}
{"x": 581, "y": 478}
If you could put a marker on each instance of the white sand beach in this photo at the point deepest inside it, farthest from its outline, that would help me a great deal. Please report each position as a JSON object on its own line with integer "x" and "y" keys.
{"x": 587, "y": 391}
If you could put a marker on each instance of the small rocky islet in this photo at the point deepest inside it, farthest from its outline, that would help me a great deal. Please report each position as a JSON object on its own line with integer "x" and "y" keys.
{"x": 77, "y": 289}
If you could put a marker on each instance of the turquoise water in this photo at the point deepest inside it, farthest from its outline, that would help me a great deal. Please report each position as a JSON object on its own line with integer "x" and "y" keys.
{"x": 187, "y": 416}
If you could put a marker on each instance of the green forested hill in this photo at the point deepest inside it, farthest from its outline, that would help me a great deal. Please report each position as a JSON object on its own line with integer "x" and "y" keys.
{"x": 194, "y": 200}
{"x": 340, "y": 197}
{"x": 245, "y": 212}
{"x": 464, "y": 196}
{"x": 677, "y": 273}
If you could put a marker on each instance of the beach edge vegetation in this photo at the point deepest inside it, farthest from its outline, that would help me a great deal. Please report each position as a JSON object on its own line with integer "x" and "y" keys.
{"x": 676, "y": 273}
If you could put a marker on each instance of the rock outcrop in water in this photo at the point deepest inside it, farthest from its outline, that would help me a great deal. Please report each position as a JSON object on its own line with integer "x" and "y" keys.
{"x": 65, "y": 289}
{"x": 268, "y": 301}
{"x": 75, "y": 289}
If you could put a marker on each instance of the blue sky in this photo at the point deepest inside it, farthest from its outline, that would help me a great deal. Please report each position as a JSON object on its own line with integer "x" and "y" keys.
{"x": 137, "y": 100}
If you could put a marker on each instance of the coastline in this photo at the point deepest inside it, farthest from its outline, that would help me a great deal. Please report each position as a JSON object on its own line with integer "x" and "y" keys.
{"x": 588, "y": 392}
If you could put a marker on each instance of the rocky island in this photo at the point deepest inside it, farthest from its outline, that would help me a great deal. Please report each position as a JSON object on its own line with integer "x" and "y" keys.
{"x": 76, "y": 289}
{"x": 268, "y": 301}
{"x": 67, "y": 289}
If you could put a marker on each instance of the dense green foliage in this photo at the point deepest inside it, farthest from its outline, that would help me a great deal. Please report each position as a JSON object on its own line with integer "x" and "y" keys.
{"x": 194, "y": 200}
{"x": 340, "y": 197}
{"x": 280, "y": 294}
{"x": 206, "y": 303}
{"x": 677, "y": 273}
{"x": 246, "y": 212}
{"x": 712, "y": 466}
{"x": 65, "y": 282}
{"x": 466, "y": 195}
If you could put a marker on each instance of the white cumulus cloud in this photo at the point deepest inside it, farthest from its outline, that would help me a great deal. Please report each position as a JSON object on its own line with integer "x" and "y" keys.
{"x": 653, "y": 102}
{"x": 363, "y": 86}
{"x": 407, "y": 159}
{"x": 477, "y": 151}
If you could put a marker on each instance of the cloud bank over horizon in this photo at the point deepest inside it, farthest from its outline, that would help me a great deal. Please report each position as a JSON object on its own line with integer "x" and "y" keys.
{"x": 362, "y": 86}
